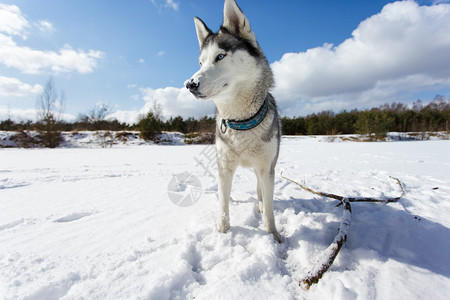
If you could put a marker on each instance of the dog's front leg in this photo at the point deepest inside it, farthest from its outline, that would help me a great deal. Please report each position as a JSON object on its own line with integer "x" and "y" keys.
{"x": 259, "y": 193}
{"x": 225, "y": 180}
{"x": 266, "y": 179}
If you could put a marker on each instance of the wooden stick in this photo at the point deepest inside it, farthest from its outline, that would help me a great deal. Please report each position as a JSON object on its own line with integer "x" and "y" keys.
{"x": 327, "y": 258}
{"x": 351, "y": 199}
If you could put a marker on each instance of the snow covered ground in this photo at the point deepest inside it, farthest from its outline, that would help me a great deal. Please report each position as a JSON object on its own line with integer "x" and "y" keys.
{"x": 101, "y": 223}
{"x": 88, "y": 139}
{"x": 107, "y": 139}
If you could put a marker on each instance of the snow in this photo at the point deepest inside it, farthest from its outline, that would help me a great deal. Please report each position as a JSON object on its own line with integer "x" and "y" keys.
{"x": 85, "y": 223}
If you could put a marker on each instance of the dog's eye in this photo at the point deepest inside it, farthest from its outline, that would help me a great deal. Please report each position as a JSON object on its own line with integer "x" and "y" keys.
{"x": 220, "y": 57}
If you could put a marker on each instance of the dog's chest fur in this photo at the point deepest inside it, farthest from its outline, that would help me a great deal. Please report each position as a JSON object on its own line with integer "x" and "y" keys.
{"x": 250, "y": 147}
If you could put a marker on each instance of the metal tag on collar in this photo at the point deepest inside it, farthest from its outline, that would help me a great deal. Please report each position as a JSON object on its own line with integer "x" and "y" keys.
{"x": 223, "y": 126}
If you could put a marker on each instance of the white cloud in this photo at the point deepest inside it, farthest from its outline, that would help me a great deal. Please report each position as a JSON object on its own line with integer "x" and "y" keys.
{"x": 141, "y": 61}
{"x": 166, "y": 4}
{"x": 11, "y": 21}
{"x": 172, "y": 4}
{"x": 176, "y": 101}
{"x": 12, "y": 87}
{"x": 19, "y": 114}
{"x": 125, "y": 116}
{"x": 161, "y": 53}
{"x": 45, "y": 26}
{"x": 403, "y": 48}
{"x": 31, "y": 61}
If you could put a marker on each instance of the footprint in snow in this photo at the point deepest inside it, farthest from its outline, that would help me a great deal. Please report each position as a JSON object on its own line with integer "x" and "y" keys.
{"x": 11, "y": 224}
{"x": 74, "y": 216}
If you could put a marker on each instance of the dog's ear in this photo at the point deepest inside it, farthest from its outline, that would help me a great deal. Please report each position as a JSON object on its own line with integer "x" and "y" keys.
{"x": 236, "y": 22}
{"x": 202, "y": 31}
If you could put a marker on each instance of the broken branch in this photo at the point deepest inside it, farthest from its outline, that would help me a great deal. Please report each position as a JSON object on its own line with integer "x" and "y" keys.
{"x": 351, "y": 199}
{"x": 327, "y": 258}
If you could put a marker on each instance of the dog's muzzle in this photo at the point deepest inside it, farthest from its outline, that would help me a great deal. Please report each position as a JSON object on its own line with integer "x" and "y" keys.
{"x": 192, "y": 85}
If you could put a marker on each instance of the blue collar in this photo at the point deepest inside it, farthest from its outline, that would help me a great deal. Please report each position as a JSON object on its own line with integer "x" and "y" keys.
{"x": 249, "y": 123}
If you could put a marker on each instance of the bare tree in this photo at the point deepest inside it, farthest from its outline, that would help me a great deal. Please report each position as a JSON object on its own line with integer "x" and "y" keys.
{"x": 96, "y": 117}
{"x": 99, "y": 112}
{"x": 157, "y": 109}
{"x": 49, "y": 108}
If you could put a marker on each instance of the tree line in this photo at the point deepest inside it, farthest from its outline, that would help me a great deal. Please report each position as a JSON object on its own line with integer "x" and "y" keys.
{"x": 397, "y": 117}
{"x": 149, "y": 124}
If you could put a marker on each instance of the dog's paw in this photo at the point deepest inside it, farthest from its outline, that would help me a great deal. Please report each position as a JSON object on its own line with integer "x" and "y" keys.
{"x": 277, "y": 237}
{"x": 223, "y": 228}
{"x": 223, "y": 225}
{"x": 261, "y": 207}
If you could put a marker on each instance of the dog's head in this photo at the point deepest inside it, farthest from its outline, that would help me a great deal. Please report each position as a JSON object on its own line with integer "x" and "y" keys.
{"x": 231, "y": 61}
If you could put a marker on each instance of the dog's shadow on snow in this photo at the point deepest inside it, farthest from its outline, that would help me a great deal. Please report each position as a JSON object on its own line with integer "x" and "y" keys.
{"x": 387, "y": 229}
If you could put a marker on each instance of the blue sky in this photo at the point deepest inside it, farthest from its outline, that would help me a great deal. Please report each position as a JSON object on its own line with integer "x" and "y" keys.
{"x": 325, "y": 54}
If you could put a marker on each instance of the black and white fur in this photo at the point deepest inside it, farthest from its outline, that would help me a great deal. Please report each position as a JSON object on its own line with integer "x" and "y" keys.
{"x": 236, "y": 76}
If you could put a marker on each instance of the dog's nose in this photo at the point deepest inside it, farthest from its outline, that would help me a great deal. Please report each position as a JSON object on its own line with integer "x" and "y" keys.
{"x": 192, "y": 84}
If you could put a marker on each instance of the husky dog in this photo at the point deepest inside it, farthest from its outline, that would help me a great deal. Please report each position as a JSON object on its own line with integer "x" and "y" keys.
{"x": 236, "y": 76}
